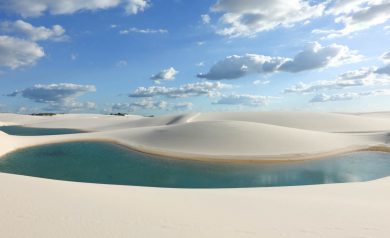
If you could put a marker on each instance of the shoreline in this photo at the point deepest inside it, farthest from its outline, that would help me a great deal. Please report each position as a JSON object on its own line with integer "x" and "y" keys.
{"x": 231, "y": 159}
{"x": 263, "y": 137}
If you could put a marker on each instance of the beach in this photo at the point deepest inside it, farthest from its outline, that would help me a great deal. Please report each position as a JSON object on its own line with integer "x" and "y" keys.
{"x": 36, "y": 207}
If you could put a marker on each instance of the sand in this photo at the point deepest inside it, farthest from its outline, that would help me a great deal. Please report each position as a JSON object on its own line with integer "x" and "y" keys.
{"x": 34, "y": 207}
{"x": 257, "y": 136}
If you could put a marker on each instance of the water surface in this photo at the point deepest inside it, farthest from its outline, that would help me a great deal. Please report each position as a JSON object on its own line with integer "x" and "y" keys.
{"x": 107, "y": 163}
{"x": 31, "y": 131}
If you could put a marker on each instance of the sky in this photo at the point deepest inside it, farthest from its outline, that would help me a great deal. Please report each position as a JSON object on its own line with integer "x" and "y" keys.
{"x": 153, "y": 57}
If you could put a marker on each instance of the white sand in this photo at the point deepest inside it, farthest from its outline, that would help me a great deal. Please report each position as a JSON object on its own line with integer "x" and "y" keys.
{"x": 32, "y": 207}
{"x": 256, "y": 136}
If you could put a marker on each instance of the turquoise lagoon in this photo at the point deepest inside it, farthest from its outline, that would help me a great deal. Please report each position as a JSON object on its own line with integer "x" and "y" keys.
{"x": 31, "y": 131}
{"x": 107, "y": 163}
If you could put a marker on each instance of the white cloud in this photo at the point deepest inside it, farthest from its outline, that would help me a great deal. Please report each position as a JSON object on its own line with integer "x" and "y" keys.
{"x": 236, "y": 66}
{"x": 33, "y": 33}
{"x": 150, "y": 104}
{"x": 165, "y": 74}
{"x": 15, "y": 52}
{"x": 58, "y": 97}
{"x": 357, "y": 15}
{"x": 136, "y": 6}
{"x": 384, "y": 70}
{"x": 34, "y": 8}
{"x": 143, "y": 31}
{"x": 246, "y": 18}
{"x": 261, "y": 82}
{"x": 121, "y": 64}
{"x": 338, "y": 7}
{"x": 147, "y": 103}
{"x": 205, "y": 19}
{"x": 316, "y": 56}
{"x": 74, "y": 56}
{"x": 335, "y": 97}
{"x": 70, "y": 106}
{"x": 184, "y": 91}
{"x": 313, "y": 56}
{"x": 183, "y": 106}
{"x": 386, "y": 56}
{"x": 348, "y": 96}
{"x": 355, "y": 78}
{"x": 244, "y": 99}
{"x": 21, "y": 48}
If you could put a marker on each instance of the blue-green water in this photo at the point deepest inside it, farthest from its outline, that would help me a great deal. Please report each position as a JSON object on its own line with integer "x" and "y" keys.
{"x": 107, "y": 163}
{"x": 30, "y": 131}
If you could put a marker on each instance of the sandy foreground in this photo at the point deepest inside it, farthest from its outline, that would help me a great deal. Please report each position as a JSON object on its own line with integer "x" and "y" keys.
{"x": 33, "y": 207}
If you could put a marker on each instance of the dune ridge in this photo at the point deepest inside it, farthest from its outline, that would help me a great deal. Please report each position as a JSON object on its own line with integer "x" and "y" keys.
{"x": 253, "y": 136}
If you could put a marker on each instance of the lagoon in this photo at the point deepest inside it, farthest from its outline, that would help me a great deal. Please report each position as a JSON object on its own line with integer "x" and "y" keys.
{"x": 107, "y": 163}
{"x": 32, "y": 131}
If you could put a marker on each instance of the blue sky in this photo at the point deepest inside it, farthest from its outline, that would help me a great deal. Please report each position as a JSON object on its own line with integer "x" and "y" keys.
{"x": 170, "y": 56}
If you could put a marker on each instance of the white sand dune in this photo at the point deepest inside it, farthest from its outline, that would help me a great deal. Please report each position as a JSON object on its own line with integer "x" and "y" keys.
{"x": 220, "y": 136}
{"x": 33, "y": 207}
{"x": 328, "y": 122}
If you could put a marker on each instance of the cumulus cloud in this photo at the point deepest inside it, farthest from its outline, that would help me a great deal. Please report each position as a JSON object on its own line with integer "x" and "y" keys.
{"x": 58, "y": 97}
{"x": 244, "y": 99}
{"x": 205, "y": 19}
{"x": 356, "y": 15}
{"x": 337, "y": 7}
{"x": 261, "y": 82}
{"x": 147, "y": 103}
{"x": 70, "y": 106}
{"x": 313, "y": 56}
{"x": 361, "y": 77}
{"x": 33, "y": 33}
{"x": 348, "y": 96}
{"x": 183, "y": 106}
{"x": 151, "y": 104}
{"x": 246, "y": 18}
{"x": 142, "y": 31}
{"x": 135, "y": 6}
{"x": 15, "y": 52}
{"x": 355, "y": 78}
{"x": 316, "y": 56}
{"x": 34, "y": 8}
{"x": 386, "y": 56}
{"x": 235, "y": 66}
{"x": 21, "y": 48}
{"x": 384, "y": 70}
{"x": 165, "y": 75}
{"x": 187, "y": 90}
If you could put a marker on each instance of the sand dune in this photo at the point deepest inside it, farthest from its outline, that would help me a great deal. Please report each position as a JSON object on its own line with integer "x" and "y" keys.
{"x": 328, "y": 122}
{"x": 238, "y": 140}
{"x": 256, "y": 136}
{"x": 33, "y": 207}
